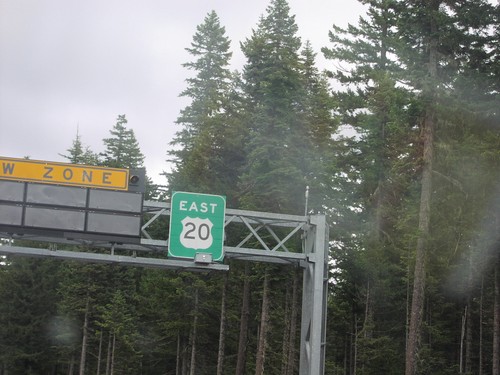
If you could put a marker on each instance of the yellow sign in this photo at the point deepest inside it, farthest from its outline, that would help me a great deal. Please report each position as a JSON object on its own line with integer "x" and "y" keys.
{"x": 63, "y": 174}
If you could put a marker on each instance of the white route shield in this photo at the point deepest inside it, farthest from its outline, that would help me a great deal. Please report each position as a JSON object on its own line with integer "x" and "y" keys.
{"x": 196, "y": 233}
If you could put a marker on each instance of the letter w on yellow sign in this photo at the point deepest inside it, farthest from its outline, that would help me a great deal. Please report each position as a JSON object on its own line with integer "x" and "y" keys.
{"x": 63, "y": 174}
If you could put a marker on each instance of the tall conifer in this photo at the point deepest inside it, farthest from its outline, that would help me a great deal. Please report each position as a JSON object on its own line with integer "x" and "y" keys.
{"x": 424, "y": 50}
{"x": 78, "y": 153}
{"x": 122, "y": 149}
{"x": 207, "y": 153}
{"x": 279, "y": 150}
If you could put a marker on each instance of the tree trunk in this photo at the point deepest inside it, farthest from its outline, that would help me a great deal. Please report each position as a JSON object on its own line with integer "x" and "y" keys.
{"x": 355, "y": 346}
{"x": 427, "y": 135}
{"x": 85, "y": 337}
{"x": 462, "y": 336}
{"x": 245, "y": 312}
{"x": 367, "y": 328}
{"x": 381, "y": 150}
{"x": 261, "y": 346}
{"x": 178, "y": 356}
{"x": 194, "y": 332}
{"x": 467, "y": 340}
{"x": 418, "y": 294}
{"x": 99, "y": 355}
{"x": 481, "y": 328}
{"x": 185, "y": 359}
{"x": 108, "y": 355}
{"x": 222, "y": 329}
{"x": 71, "y": 365}
{"x": 408, "y": 302}
{"x": 113, "y": 348}
{"x": 286, "y": 334}
{"x": 345, "y": 353}
{"x": 182, "y": 356}
{"x": 292, "y": 352}
{"x": 496, "y": 321}
{"x": 468, "y": 331}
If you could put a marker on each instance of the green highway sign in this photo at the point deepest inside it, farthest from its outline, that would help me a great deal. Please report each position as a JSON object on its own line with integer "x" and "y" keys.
{"x": 196, "y": 225}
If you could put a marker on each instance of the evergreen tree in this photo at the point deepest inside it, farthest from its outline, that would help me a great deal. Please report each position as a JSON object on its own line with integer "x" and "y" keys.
{"x": 91, "y": 295}
{"x": 430, "y": 47}
{"x": 317, "y": 110}
{"x": 207, "y": 156}
{"x": 28, "y": 326}
{"x": 207, "y": 159}
{"x": 122, "y": 149}
{"x": 78, "y": 153}
{"x": 282, "y": 96}
{"x": 117, "y": 318}
{"x": 370, "y": 175}
{"x": 430, "y": 32}
{"x": 279, "y": 147}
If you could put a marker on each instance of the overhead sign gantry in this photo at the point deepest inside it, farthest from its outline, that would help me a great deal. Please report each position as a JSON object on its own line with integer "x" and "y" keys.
{"x": 102, "y": 219}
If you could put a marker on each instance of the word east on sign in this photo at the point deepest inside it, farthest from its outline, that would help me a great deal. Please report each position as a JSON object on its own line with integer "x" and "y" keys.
{"x": 196, "y": 225}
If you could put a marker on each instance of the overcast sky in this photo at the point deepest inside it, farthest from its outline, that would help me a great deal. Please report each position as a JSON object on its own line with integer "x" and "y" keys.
{"x": 74, "y": 64}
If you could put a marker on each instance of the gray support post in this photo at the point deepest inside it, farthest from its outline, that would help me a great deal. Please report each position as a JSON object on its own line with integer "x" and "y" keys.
{"x": 314, "y": 298}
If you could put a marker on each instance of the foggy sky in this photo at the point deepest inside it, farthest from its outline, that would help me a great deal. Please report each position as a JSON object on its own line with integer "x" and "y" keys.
{"x": 72, "y": 64}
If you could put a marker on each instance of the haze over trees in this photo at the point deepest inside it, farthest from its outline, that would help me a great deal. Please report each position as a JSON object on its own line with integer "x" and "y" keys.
{"x": 399, "y": 144}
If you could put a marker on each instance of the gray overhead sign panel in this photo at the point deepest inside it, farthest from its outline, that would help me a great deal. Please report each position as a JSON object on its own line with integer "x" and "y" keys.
{"x": 11, "y": 196}
{"x": 115, "y": 201}
{"x": 68, "y": 220}
{"x": 11, "y": 191}
{"x": 70, "y": 212}
{"x": 114, "y": 224}
{"x": 11, "y": 214}
{"x": 57, "y": 195}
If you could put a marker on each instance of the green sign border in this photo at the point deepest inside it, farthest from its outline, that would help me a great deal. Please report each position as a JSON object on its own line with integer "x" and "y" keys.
{"x": 178, "y": 250}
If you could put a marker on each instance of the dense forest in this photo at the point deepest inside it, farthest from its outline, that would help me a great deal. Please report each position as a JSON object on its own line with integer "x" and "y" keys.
{"x": 398, "y": 142}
